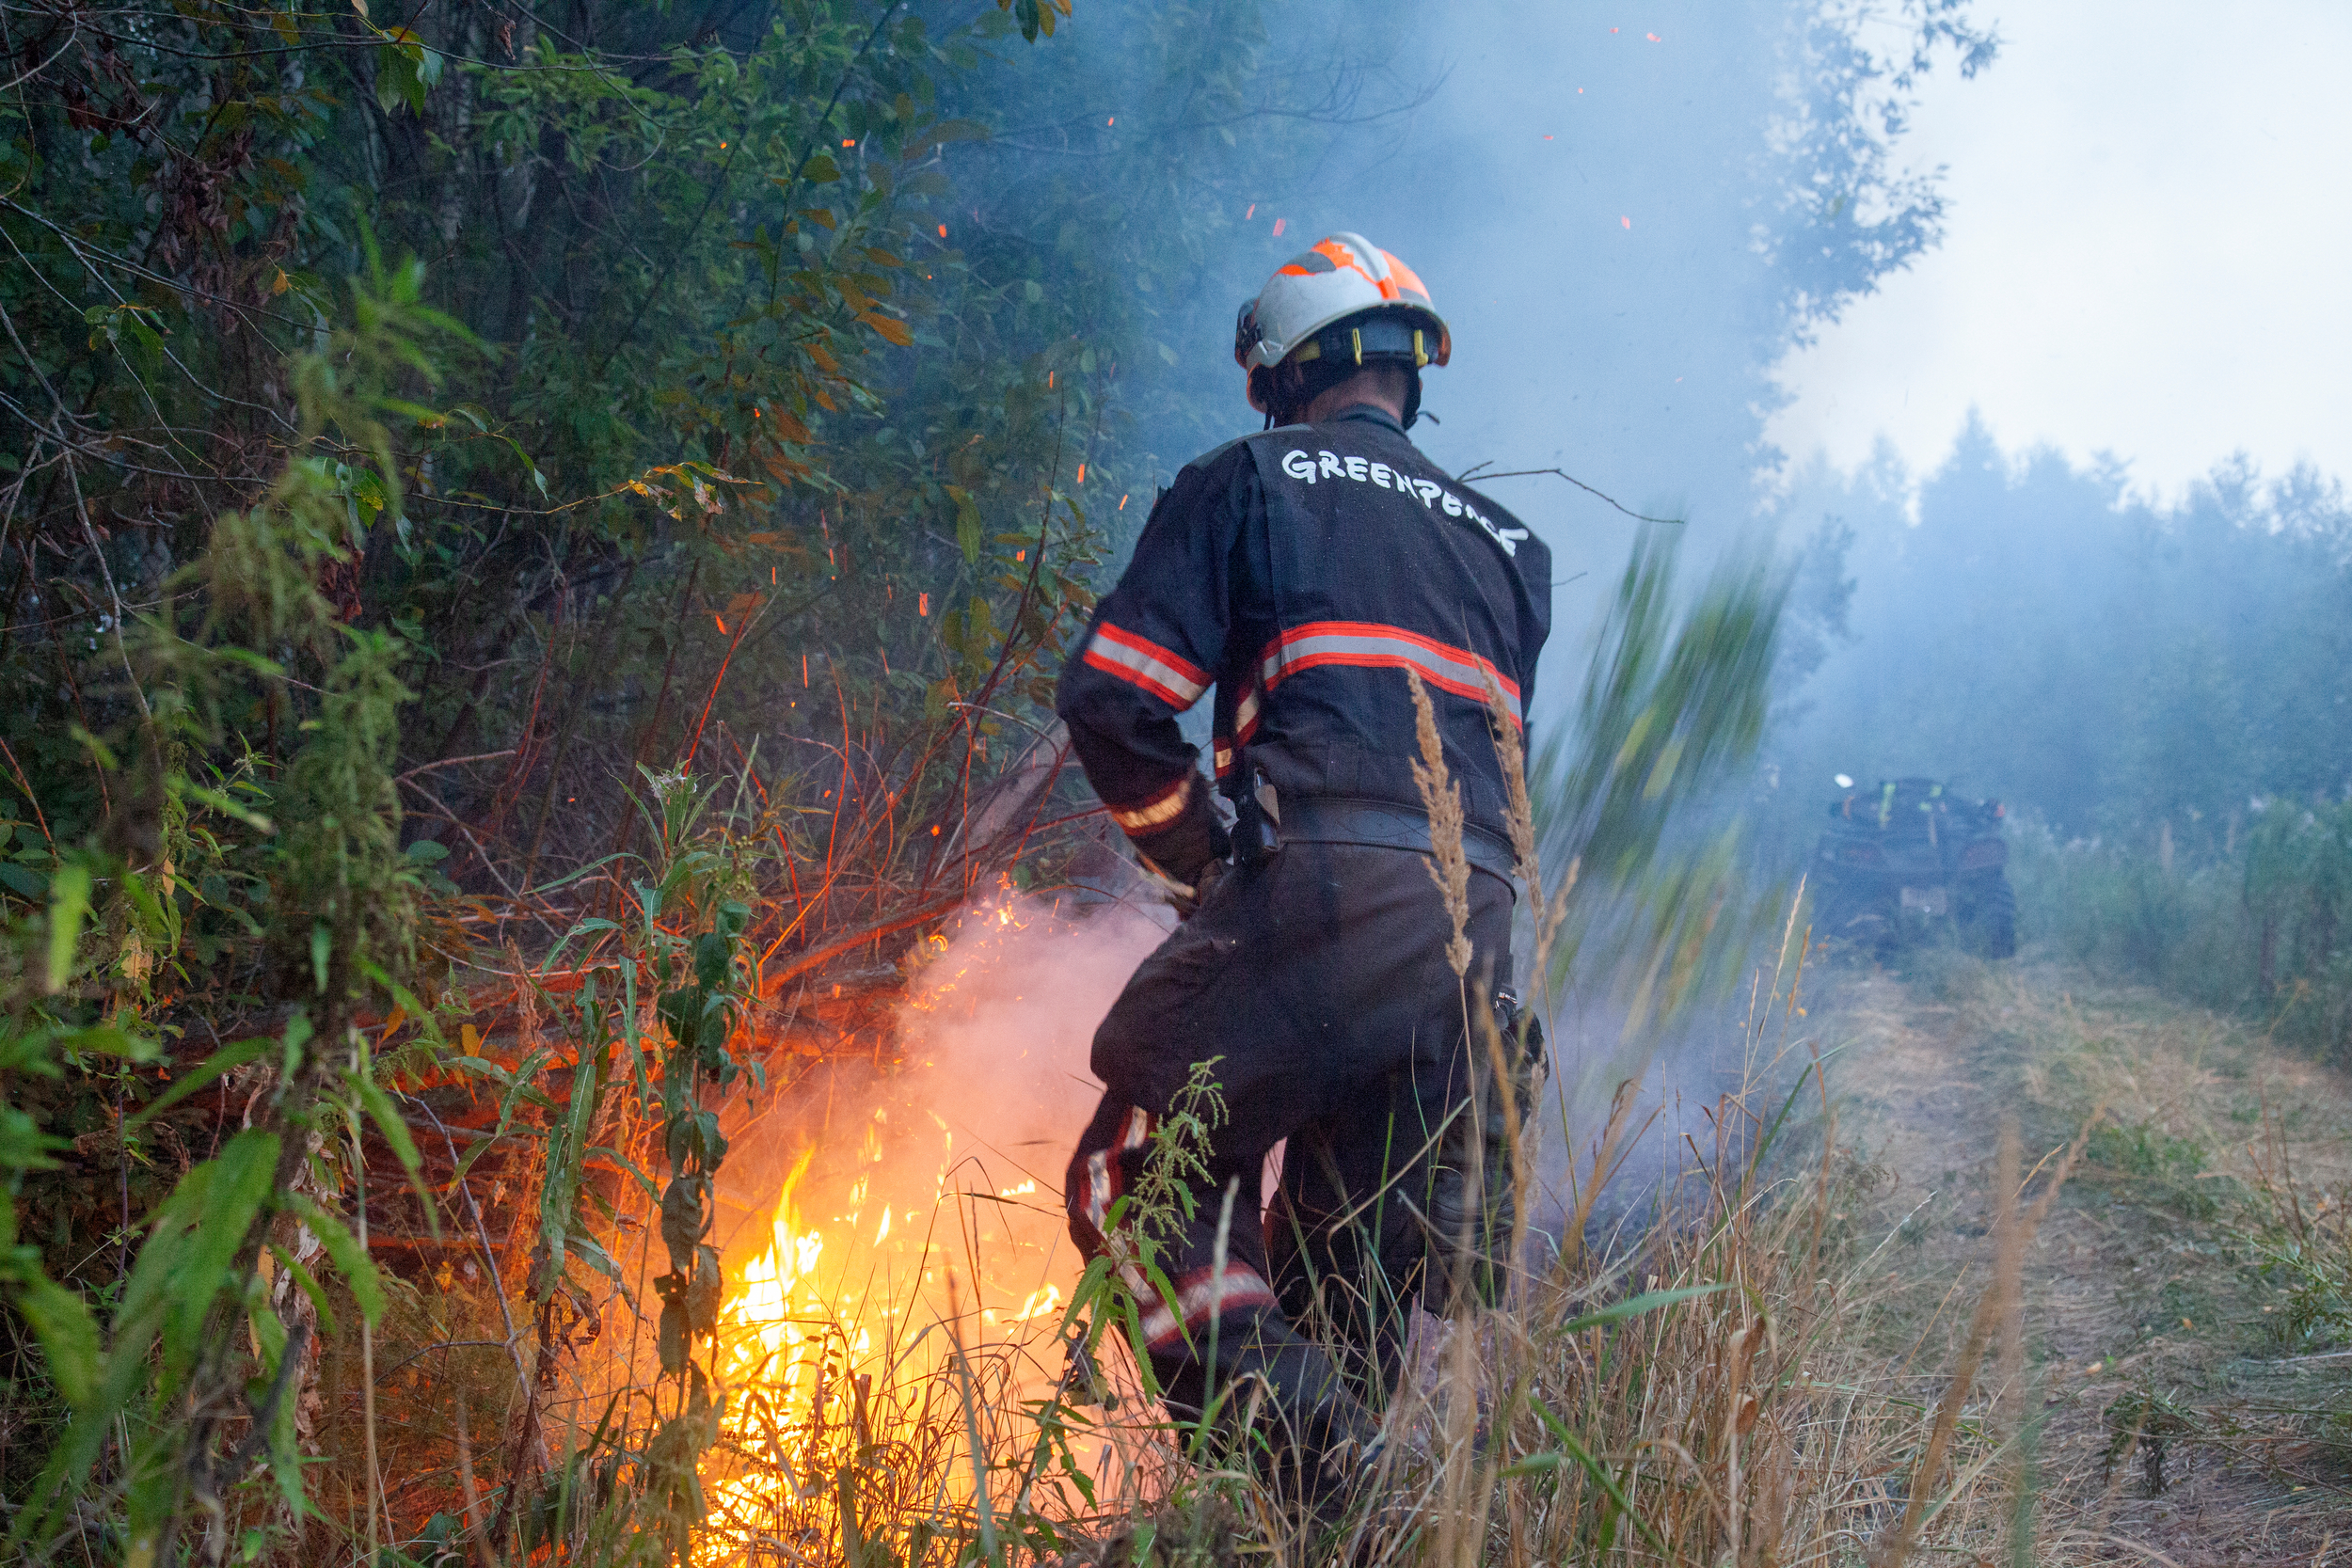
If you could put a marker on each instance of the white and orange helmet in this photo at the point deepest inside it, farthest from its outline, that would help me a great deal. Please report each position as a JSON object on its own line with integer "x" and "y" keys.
{"x": 1342, "y": 276}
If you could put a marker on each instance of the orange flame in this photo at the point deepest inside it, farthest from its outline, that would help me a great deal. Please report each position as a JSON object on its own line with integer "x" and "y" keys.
{"x": 923, "y": 1228}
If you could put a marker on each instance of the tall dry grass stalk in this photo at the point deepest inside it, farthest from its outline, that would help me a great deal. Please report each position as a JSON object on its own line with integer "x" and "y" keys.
{"x": 1442, "y": 799}
{"x": 1999, "y": 1320}
{"x": 1991, "y": 1315}
{"x": 1545, "y": 910}
{"x": 1518, "y": 811}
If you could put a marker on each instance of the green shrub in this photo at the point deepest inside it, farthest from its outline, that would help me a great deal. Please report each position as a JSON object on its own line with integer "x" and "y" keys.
{"x": 2257, "y": 929}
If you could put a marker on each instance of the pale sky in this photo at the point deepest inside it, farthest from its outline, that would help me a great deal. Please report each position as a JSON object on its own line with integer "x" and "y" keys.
{"x": 2148, "y": 250}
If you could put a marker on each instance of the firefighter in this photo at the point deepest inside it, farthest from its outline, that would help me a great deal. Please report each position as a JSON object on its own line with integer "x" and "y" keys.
{"x": 1299, "y": 574}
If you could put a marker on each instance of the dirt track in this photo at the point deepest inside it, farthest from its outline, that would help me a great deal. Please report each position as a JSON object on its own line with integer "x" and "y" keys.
{"x": 2142, "y": 1308}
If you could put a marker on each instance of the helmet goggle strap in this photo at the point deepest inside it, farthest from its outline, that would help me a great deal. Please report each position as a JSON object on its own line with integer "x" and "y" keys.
{"x": 1366, "y": 340}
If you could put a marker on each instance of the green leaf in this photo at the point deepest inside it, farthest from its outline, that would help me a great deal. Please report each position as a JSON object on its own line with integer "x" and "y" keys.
{"x": 559, "y": 1191}
{"x": 1587, "y": 1462}
{"x": 581, "y": 929}
{"x": 820, "y": 170}
{"x": 630, "y": 1167}
{"x": 298, "y": 1032}
{"x": 351, "y": 1260}
{"x": 105, "y": 1039}
{"x": 967, "y": 523}
{"x": 519, "y": 1090}
{"x": 405, "y": 1001}
{"x": 380, "y": 1110}
{"x": 69, "y": 905}
{"x": 223, "y": 803}
{"x": 68, "y": 1333}
{"x": 405, "y": 71}
{"x": 218, "y": 1217}
{"x": 671, "y": 1337}
{"x": 592, "y": 1253}
{"x": 1633, "y": 1306}
{"x": 35, "y": 1050}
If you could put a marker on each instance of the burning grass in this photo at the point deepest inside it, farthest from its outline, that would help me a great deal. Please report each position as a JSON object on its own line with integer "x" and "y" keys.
{"x": 896, "y": 1372}
{"x": 1767, "y": 1365}
{"x": 892, "y": 1368}
{"x": 1744, "y": 1369}
{"x": 1670, "y": 1392}
{"x": 906, "y": 1310}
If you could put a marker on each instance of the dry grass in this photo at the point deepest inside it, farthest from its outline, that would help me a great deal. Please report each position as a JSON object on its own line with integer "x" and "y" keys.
{"x": 1696, "y": 1392}
{"x": 1882, "y": 1371}
{"x": 2155, "y": 1337}
{"x": 1856, "y": 1325}
{"x": 1849, "y": 1317}
{"x": 1860, "y": 1323}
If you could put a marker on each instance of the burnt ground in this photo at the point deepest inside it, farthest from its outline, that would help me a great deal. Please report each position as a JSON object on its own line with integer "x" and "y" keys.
{"x": 2149, "y": 1308}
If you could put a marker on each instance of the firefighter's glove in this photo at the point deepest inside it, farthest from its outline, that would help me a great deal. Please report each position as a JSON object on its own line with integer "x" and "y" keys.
{"x": 1187, "y": 896}
{"x": 1203, "y": 881}
{"x": 1186, "y": 851}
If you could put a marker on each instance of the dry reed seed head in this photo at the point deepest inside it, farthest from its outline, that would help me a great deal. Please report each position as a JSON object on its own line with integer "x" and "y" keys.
{"x": 1441, "y": 798}
{"x": 1518, "y": 811}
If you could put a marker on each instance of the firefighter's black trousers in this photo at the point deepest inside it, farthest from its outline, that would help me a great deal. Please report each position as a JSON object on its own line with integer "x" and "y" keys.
{"x": 1318, "y": 982}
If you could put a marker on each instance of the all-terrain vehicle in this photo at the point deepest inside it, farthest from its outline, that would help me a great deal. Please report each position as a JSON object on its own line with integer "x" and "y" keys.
{"x": 1907, "y": 862}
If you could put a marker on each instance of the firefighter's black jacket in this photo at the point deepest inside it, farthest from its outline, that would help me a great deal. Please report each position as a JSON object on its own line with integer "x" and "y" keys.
{"x": 1302, "y": 572}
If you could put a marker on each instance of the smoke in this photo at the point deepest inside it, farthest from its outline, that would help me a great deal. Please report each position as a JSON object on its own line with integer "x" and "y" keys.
{"x": 999, "y": 1023}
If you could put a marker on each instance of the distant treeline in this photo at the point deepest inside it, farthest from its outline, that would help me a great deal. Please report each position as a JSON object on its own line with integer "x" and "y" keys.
{"x": 2112, "y": 665}
{"x": 2163, "y": 693}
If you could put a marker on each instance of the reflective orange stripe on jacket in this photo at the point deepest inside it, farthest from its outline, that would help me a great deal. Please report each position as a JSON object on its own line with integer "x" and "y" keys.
{"x": 1368, "y": 644}
{"x": 1144, "y": 663}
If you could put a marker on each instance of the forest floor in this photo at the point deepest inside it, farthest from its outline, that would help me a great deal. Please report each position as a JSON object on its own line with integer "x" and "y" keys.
{"x": 2148, "y": 1311}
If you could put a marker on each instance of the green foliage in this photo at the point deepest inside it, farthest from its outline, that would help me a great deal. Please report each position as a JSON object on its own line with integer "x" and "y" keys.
{"x": 2310, "y": 1267}
{"x": 2144, "y": 1420}
{"x": 2258, "y": 929}
{"x": 755, "y": 434}
{"x": 1675, "y": 699}
{"x": 704, "y": 983}
{"x": 335, "y": 934}
{"x": 2151, "y": 1165}
{"x": 702, "y": 265}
